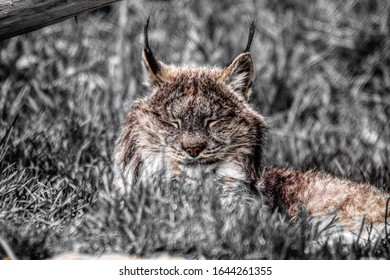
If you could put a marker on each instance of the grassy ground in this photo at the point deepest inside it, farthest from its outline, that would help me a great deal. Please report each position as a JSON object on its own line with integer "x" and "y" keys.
{"x": 322, "y": 81}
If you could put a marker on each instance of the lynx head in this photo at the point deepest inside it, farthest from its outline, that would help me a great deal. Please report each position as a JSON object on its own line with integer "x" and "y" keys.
{"x": 196, "y": 117}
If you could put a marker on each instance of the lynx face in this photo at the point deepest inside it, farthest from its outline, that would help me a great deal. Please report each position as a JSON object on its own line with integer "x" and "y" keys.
{"x": 197, "y": 124}
{"x": 194, "y": 121}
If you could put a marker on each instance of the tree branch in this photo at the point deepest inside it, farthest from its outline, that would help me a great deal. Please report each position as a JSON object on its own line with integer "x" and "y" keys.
{"x": 22, "y": 16}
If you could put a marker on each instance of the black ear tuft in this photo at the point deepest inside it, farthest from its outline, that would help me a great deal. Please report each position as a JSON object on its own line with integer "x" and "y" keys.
{"x": 146, "y": 38}
{"x": 151, "y": 60}
{"x": 252, "y": 30}
{"x": 156, "y": 70}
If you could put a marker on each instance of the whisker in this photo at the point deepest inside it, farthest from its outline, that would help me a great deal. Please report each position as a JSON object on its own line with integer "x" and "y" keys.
{"x": 242, "y": 144}
{"x": 216, "y": 149}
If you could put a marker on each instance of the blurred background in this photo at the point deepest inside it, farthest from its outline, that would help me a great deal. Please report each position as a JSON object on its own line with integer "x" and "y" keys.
{"x": 322, "y": 80}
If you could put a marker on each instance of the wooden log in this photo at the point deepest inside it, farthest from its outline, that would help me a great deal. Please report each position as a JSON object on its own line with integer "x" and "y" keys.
{"x": 22, "y": 16}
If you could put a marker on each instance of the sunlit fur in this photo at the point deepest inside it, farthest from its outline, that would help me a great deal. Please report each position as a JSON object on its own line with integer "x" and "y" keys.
{"x": 324, "y": 198}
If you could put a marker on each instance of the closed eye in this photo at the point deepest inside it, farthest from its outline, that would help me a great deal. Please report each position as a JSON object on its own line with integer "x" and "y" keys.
{"x": 212, "y": 122}
{"x": 175, "y": 123}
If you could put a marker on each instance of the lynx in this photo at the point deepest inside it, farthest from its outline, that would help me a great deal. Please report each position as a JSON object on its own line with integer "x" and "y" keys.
{"x": 197, "y": 119}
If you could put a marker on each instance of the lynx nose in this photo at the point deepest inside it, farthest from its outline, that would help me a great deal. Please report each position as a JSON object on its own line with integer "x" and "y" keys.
{"x": 194, "y": 151}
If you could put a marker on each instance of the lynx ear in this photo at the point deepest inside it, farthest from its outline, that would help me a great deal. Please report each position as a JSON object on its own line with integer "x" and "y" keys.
{"x": 238, "y": 75}
{"x": 156, "y": 70}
